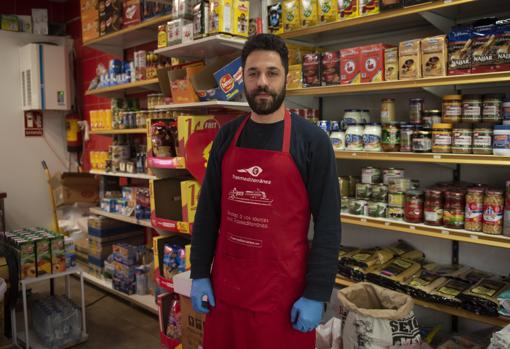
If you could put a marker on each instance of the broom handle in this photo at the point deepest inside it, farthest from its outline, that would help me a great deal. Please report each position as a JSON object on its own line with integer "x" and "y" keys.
{"x": 52, "y": 197}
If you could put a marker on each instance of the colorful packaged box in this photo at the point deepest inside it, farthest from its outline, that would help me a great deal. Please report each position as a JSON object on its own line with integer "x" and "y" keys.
{"x": 189, "y": 124}
{"x": 410, "y": 60}
{"x": 308, "y": 13}
{"x": 348, "y": 9}
{"x": 230, "y": 79}
{"x": 187, "y": 32}
{"x": 331, "y": 68}
{"x": 27, "y": 259}
{"x": 291, "y": 13}
{"x": 369, "y": 7}
{"x": 328, "y": 10}
{"x": 180, "y": 84}
{"x": 350, "y": 70}
{"x": 372, "y": 62}
{"x": 295, "y": 77}
{"x": 241, "y": 17}
{"x": 89, "y": 24}
{"x": 125, "y": 254}
{"x": 43, "y": 256}
{"x": 460, "y": 42}
{"x": 391, "y": 64}
{"x": 312, "y": 70}
{"x": 201, "y": 19}
{"x": 275, "y": 18}
{"x": 434, "y": 56}
{"x": 132, "y": 12}
{"x": 154, "y": 8}
{"x": 182, "y": 9}
{"x": 502, "y": 46}
{"x": 484, "y": 41}
{"x": 58, "y": 260}
{"x": 189, "y": 198}
{"x": 175, "y": 31}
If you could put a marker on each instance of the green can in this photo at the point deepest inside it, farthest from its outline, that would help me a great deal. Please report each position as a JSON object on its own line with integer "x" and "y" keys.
{"x": 380, "y": 192}
{"x": 344, "y": 203}
{"x": 358, "y": 207}
{"x": 344, "y": 184}
{"x": 377, "y": 209}
{"x": 363, "y": 191}
{"x": 396, "y": 199}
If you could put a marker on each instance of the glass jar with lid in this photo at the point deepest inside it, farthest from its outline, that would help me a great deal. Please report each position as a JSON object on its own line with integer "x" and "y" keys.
{"x": 471, "y": 108}
{"x": 474, "y": 209}
{"x": 442, "y": 138}
{"x": 452, "y": 108}
{"x": 372, "y": 137}
{"x": 413, "y": 209}
{"x": 493, "y": 207}
{"x": 433, "y": 210}
{"x": 354, "y": 138}
{"x": 454, "y": 209}
{"x": 492, "y": 110}
{"x": 422, "y": 141}
{"x": 406, "y": 136}
{"x": 391, "y": 137}
{"x": 482, "y": 139}
{"x": 416, "y": 110}
{"x": 388, "y": 113}
{"x": 431, "y": 117}
{"x": 462, "y": 139}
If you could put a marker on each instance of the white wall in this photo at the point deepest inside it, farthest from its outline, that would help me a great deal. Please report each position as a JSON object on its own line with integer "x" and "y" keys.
{"x": 21, "y": 173}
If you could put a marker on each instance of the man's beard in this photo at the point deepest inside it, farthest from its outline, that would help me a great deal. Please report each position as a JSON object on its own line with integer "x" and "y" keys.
{"x": 265, "y": 106}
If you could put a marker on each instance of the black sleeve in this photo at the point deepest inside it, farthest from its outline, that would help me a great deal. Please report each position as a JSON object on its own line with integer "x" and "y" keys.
{"x": 324, "y": 196}
{"x": 207, "y": 217}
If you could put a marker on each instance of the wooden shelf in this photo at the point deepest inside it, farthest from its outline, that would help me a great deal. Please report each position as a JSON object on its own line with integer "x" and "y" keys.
{"x": 146, "y": 302}
{"x": 427, "y": 230}
{"x": 131, "y": 88}
{"x": 468, "y": 79}
{"x": 209, "y": 47}
{"x": 126, "y": 131}
{"x": 143, "y": 222}
{"x": 465, "y": 159}
{"x": 494, "y": 321}
{"x": 129, "y": 37}
{"x": 242, "y": 106}
{"x": 123, "y": 174}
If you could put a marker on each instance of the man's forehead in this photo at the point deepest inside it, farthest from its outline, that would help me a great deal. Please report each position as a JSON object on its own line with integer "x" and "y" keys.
{"x": 263, "y": 58}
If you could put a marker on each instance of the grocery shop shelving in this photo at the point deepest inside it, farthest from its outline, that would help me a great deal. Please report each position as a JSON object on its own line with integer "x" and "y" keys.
{"x": 177, "y": 163}
{"x": 143, "y": 222}
{"x": 393, "y": 20}
{"x": 209, "y": 47}
{"x": 452, "y": 80}
{"x": 146, "y": 302}
{"x": 131, "y": 88}
{"x": 128, "y": 37}
{"x": 465, "y": 159}
{"x": 427, "y": 230}
{"x": 124, "y": 174}
{"x": 242, "y": 106}
{"x": 490, "y": 320}
{"x": 126, "y": 131}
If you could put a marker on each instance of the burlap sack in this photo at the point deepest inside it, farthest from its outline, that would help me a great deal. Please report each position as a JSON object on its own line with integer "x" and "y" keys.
{"x": 376, "y": 318}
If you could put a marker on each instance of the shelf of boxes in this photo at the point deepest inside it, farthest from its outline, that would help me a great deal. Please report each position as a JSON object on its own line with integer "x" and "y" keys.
{"x": 490, "y": 320}
{"x": 427, "y": 230}
{"x": 128, "y": 37}
{"x": 126, "y": 131}
{"x": 128, "y": 219}
{"x": 452, "y": 80}
{"x": 242, "y": 106}
{"x": 123, "y": 174}
{"x": 465, "y": 159}
{"x": 131, "y": 88}
{"x": 146, "y": 302}
{"x": 209, "y": 47}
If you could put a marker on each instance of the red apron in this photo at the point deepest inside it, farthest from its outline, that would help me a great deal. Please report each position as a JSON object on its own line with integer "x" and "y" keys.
{"x": 260, "y": 262}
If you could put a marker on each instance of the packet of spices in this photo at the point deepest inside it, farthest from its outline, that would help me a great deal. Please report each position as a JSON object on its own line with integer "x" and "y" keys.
{"x": 393, "y": 273}
{"x": 311, "y": 70}
{"x": 482, "y": 298}
{"x": 502, "y": 46}
{"x": 484, "y": 54}
{"x": 404, "y": 250}
{"x": 448, "y": 293}
{"x": 460, "y": 41}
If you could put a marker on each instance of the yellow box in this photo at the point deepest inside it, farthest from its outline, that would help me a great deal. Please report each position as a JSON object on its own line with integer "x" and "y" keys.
{"x": 348, "y": 9}
{"x": 291, "y": 11}
{"x": 241, "y": 16}
{"x": 369, "y": 7}
{"x": 189, "y": 199}
{"x": 328, "y": 10}
{"x": 295, "y": 79}
{"x": 308, "y": 13}
{"x": 220, "y": 16}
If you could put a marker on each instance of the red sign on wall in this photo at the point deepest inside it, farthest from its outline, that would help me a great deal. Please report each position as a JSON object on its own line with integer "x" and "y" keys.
{"x": 33, "y": 123}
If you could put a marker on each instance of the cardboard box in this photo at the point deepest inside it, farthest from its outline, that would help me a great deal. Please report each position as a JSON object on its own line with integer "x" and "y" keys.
{"x": 460, "y": 46}
{"x": 484, "y": 53}
{"x": 26, "y": 253}
{"x": 312, "y": 70}
{"x": 369, "y": 7}
{"x": 190, "y": 191}
{"x": 434, "y": 56}
{"x": 205, "y": 84}
{"x": 154, "y": 8}
{"x": 182, "y": 9}
{"x": 502, "y": 45}
{"x": 391, "y": 64}
{"x": 187, "y": 32}
{"x": 158, "y": 247}
{"x": 182, "y": 283}
{"x": 40, "y": 21}
{"x": 295, "y": 79}
{"x": 166, "y": 342}
{"x": 350, "y": 70}
{"x": 229, "y": 16}
{"x": 70, "y": 188}
{"x": 297, "y": 52}
{"x": 241, "y": 16}
{"x": 348, "y": 9}
{"x": 132, "y": 12}
{"x": 192, "y": 325}
{"x": 43, "y": 256}
{"x": 180, "y": 84}
{"x": 9, "y": 23}
{"x": 328, "y": 10}
{"x": 410, "y": 60}
{"x": 25, "y": 24}
{"x": 230, "y": 79}
{"x": 200, "y": 19}
{"x": 58, "y": 259}
{"x": 372, "y": 62}
{"x": 188, "y": 124}
{"x": 291, "y": 15}
{"x": 308, "y": 13}
{"x": 88, "y": 4}
{"x": 275, "y": 19}
{"x": 89, "y": 24}
{"x": 175, "y": 31}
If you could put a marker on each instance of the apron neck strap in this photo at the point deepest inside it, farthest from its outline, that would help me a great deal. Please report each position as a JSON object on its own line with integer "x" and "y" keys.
{"x": 287, "y": 121}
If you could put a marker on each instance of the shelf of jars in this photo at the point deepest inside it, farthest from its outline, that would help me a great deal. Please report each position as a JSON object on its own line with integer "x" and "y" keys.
{"x": 130, "y": 88}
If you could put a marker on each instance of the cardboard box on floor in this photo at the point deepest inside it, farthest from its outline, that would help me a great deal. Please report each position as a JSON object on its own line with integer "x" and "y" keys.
{"x": 164, "y": 310}
{"x": 70, "y": 188}
{"x": 192, "y": 324}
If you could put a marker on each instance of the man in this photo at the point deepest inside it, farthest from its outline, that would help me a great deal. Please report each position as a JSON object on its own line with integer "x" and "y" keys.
{"x": 267, "y": 172}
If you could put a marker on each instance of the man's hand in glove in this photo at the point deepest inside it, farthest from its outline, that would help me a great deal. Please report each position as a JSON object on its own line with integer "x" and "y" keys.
{"x": 306, "y": 314}
{"x": 199, "y": 289}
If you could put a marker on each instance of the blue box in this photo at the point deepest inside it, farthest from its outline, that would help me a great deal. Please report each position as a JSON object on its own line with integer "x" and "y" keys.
{"x": 230, "y": 79}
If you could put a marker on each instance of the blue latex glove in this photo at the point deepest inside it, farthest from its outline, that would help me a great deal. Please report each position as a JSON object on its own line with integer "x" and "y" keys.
{"x": 306, "y": 314}
{"x": 199, "y": 289}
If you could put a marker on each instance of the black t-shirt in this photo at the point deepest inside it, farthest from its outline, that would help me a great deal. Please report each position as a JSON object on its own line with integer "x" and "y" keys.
{"x": 311, "y": 150}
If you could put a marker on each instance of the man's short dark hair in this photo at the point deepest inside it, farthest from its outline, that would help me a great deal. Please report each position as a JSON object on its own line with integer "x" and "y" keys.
{"x": 267, "y": 42}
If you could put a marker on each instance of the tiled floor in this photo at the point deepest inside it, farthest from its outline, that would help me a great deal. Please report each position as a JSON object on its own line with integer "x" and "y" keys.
{"x": 111, "y": 323}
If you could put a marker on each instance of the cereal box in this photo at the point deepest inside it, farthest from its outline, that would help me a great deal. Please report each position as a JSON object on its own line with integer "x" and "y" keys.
{"x": 308, "y": 13}
{"x": 350, "y": 69}
{"x": 434, "y": 56}
{"x": 43, "y": 256}
{"x": 460, "y": 41}
{"x": 241, "y": 16}
{"x": 372, "y": 62}
{"x": 328, "y": 10}
{"x": 312, "y": 70}
{"x": 58, "y": 259}
{"x": 331, "y": 68}
{"x": 26, "y": 251}
{"x": 275, "y": 19}
{"x": 369, "y": 7}
{"x": 348, "y": 9}
{"x": 410, "y": 60}
{"x": 291, "y": 11}
{"x": 391, "y": 64}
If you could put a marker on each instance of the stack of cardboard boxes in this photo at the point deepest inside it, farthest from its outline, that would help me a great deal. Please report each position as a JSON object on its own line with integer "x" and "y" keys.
{"x": 89, "y": 19}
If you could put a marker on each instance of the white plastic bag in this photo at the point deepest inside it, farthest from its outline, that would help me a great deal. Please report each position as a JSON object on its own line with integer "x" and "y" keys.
{"x": 329, "y": 335}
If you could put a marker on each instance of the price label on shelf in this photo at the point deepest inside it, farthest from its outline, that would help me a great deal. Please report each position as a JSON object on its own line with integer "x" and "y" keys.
{"x": 364, "y": 220}
{"x": 474, "y": 237}
{"x": 387, "y": 224}
{"x": 412, "y": 227}
{"x": 183, "y": 227}
{"x": 445, "y": 232}
{"x": 436, "y": 157}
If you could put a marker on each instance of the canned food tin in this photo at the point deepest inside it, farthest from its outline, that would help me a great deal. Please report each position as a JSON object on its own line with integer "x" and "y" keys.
{"x": 363, "y": 191}
{"x": 344, "y": 183}
{"x": 389, "y": 173}
{"x": 370, "y": 175}
{"x": 396, "y": 213}
{"x": 377, "y": 209}
{"x": 396, "y": 199}
{"x": 344, "y": 203}
{"x": 380, "y": 192}
{"x": 396, "y": 185}
{"x": 353, "y": 180}
{"x": 358, "y": 207}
